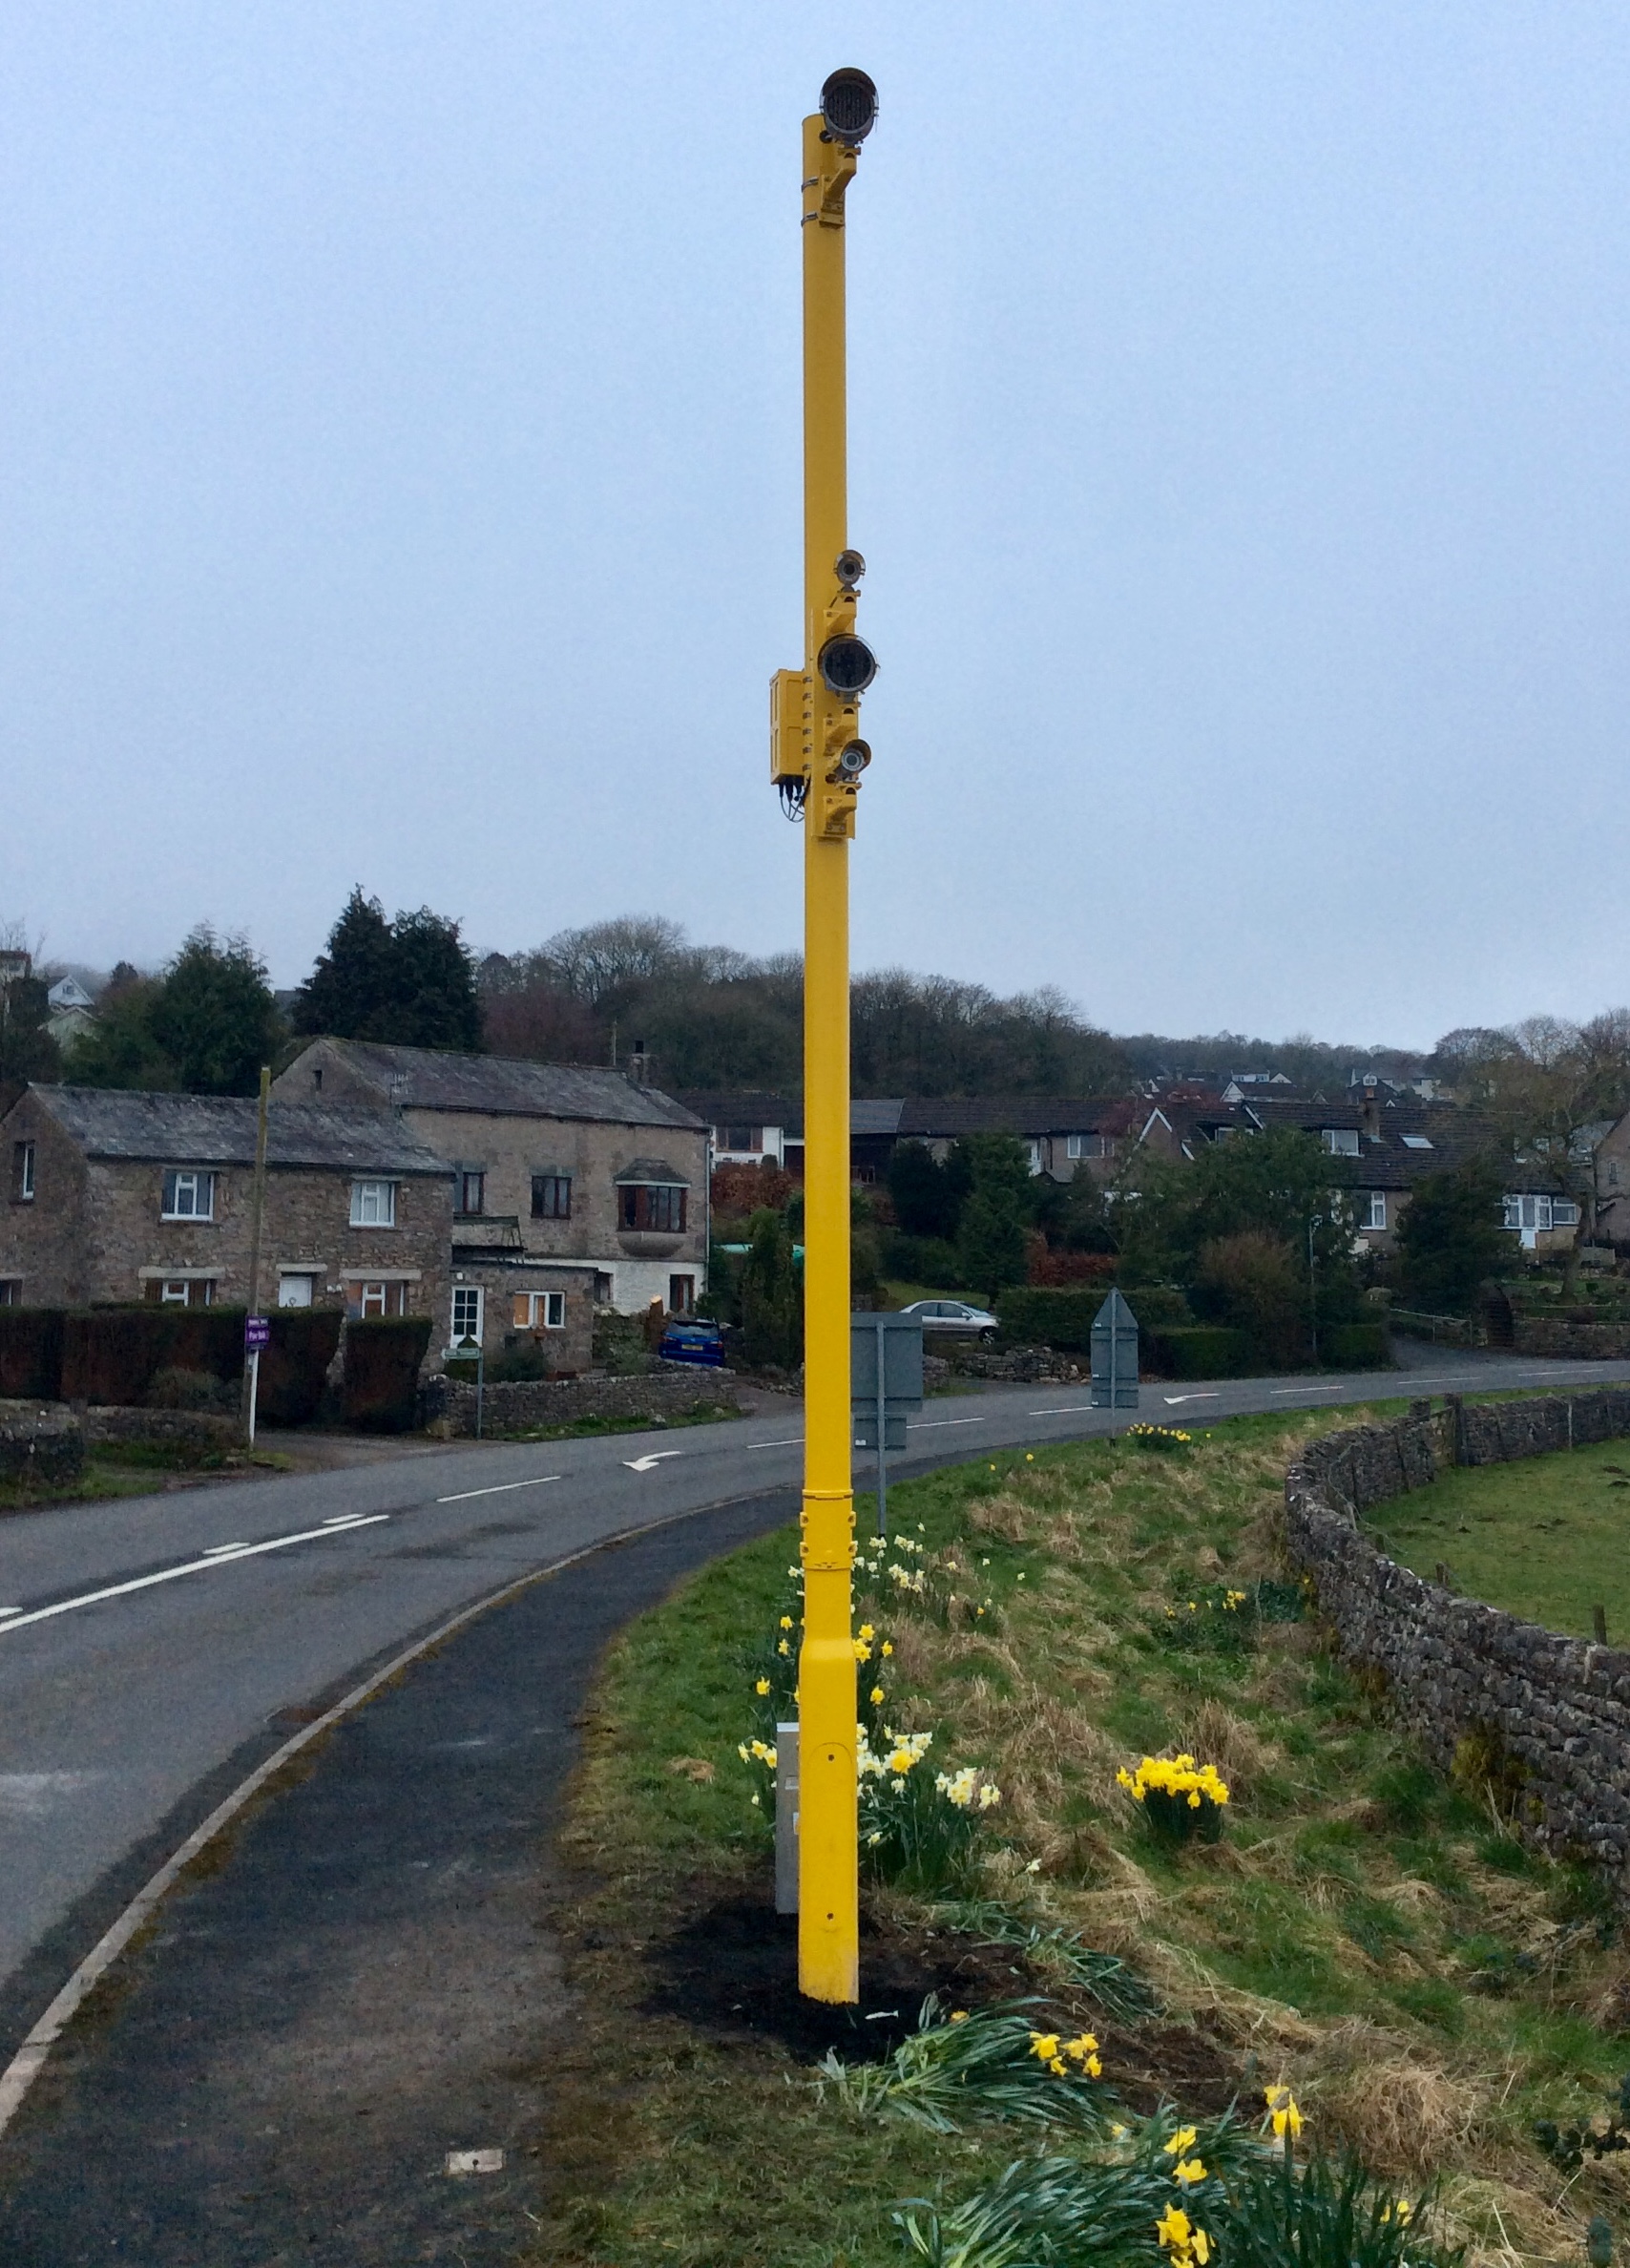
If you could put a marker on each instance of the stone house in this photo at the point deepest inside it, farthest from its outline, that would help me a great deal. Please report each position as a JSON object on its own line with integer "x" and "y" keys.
{"x": 114, "y": 1197}
{"x": 1061, "y": 1135}
{"x": 751, "y": 1129}
{"x": 573, "y": 1185}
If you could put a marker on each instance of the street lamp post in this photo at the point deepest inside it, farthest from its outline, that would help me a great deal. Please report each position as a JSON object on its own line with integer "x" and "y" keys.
{"x": 817, "y": 758}
{"x": 1314, "y": 1221}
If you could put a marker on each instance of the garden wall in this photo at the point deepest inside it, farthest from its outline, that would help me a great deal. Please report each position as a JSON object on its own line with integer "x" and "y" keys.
{"x": 447, "y": 1408}
{"x": 1575, "y": 1342}
{"x": 1557, "y": 1709}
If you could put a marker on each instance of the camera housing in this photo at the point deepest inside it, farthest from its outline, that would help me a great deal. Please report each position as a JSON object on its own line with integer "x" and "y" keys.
{"x": 849, "y": 566}
{"x": 848, "y": 104}
{"x": 852, "y": 761}
{"x": 846, "y": 664}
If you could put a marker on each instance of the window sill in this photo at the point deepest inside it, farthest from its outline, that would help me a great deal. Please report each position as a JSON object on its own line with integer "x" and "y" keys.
{"x": 189, "y": 1221}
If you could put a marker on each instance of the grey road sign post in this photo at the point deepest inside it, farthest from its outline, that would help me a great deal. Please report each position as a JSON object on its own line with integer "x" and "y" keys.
{"x": 1115, "y": 1355}
{"x": 786, "y": 1819}
{"x": 885, "y": 1356}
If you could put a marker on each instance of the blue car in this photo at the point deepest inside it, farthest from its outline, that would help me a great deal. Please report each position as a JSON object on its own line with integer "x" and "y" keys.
{"x": 696, "y": 1343}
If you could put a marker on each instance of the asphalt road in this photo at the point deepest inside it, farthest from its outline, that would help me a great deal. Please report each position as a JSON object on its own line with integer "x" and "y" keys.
{"x": 157, "y": 1648}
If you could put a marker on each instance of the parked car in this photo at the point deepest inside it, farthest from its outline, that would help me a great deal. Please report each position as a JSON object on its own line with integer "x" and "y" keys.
{"x": 699, "y": 1341}
{"x": 952, "y": 1316}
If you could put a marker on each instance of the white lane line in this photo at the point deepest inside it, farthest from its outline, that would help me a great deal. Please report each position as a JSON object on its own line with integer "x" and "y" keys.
{"x": 240, "y": 1545}
{"x": 1279, "y": 1393}
{"x": 498, "y": 1488}
{"x": 1064, "y": 1410}
{"x": 931, "y": 1424}
{"x": 792, "y": 1441}
{"x": 227, "y": 1559}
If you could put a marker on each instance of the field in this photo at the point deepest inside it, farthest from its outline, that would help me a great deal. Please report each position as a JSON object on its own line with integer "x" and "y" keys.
{"x": 1545, "y": 1539}
{"x": 1362, "y": 1930}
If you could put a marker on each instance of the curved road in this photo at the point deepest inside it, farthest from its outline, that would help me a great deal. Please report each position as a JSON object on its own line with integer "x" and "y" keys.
{"x": 154, "y": 1651}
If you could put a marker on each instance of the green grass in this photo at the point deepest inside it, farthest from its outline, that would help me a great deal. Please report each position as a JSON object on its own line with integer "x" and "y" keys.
{"x": 1364, "y": 1928}
{"x": 583, "y": 1429}
{"x": 1545, "y": 1539}
{"x": 138, "y": 1468}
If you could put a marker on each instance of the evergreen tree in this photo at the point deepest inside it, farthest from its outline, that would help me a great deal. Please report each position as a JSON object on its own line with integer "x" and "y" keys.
{"x": 408, "y": 982}
{"x": 26, "y": 1049}
{"x": 772, "y": 1305}
{"x": 925, "y": 1203}
{"x": 995, "y": 1214}
{"x": 119, "y": 1049}
{"x": 1451, "y": 1238}
{"x": 214, "y": 1015}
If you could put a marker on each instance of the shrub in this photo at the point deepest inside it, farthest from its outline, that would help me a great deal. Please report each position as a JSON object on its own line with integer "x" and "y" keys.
{"x": 30, "y": 1354}
{"x": 1197, "y": 1350}
{"x": 1038, "y": 1315}
{"x": 920, "y": 1260}
{"x": 1252, "y": 1282}
{"x": 382, "y": 1372}
{"x": 294, "y": 1368}
{"x": 174, "y": 1387}
{"x": 1355, "y": 1345}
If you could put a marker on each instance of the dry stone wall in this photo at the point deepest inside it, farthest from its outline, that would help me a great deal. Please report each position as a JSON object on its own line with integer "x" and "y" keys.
{"x": 447, "y": 1407}
{"x": 1555, "y": 1708}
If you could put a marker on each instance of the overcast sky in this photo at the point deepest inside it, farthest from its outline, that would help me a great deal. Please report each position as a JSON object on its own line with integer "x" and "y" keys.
{"x": 399, "y": 483}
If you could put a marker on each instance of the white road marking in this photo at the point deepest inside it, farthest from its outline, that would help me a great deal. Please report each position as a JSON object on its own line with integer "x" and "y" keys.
{"x": 930, "y": 1424}
{"x": 242, "y": 1545}
{"x": 221, "y": 1559}
{"x": 30, "y": 1795}
{"x": 792, "y": 1441}
{"x": 1064, "y": 1410}
{"x": 1279, "y": 1393}
{"x": 645, "y": 1464}
{"x": 498, "y": 1488}
{"x": 1212, "y": 1394}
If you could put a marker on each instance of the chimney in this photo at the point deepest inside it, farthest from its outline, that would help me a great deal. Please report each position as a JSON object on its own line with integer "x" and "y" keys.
{"x": 639, "y": 1065}
{"x": 1370, "y": 1111}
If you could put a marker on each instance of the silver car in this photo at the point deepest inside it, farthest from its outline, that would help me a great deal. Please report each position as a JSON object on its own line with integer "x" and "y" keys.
{"x": 952, "y": 1316}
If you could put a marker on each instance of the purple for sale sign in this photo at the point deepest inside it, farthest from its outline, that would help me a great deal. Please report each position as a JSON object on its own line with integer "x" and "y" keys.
{"x": 257, "y": 1333}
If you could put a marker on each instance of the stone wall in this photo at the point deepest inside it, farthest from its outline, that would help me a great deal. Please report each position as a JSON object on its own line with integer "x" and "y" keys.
{"x": 43, "y": 1446}
{"x": 191, "y": 1432}
{"x": 1019, "y": 1365}
{"x": 1575, "y": 1342}
{"x": 448, "y": 1410}
{"x": 1559, "y": 1708}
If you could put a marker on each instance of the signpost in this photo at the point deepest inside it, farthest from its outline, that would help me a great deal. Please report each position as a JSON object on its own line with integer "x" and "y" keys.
{"x": 1115, "y": 1355}
{"x": 257, "y": 1335}
{"x": 886, "y": 1364}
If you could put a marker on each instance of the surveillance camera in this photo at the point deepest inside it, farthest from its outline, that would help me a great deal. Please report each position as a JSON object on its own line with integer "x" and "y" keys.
{"x": 850, "y": 567}
{"x": 848, "y": 104}
{"x": 847, "y": 666}
{"x": 852, "y": 761}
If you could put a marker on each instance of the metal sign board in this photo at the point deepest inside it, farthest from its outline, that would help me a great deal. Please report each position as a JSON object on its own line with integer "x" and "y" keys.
{"x": 865, "y": 1429}
{"x": 1115, "y": 1355}
{"x": 896, "y": 1342}
{"x": 257, "y": 1333}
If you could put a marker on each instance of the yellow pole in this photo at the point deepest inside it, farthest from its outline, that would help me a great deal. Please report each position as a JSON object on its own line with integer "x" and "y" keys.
{"x": 828, "y": 1916}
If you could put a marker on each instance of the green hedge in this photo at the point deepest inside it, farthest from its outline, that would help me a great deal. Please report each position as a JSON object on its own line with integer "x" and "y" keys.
{"x": 1196, "y": 1351}
{"x": 111, "y": 1355}
{"x": 30, "y": 1354}
{"x": 382, "y": 1372}
{"x": 919, "y": 1260}
{"x": 294, "y": 1368}
{"x": 1061, "y": 1316}
{"x": 1355, "y": 1345}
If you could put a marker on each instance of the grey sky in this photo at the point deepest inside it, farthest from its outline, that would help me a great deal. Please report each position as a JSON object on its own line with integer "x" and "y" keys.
{"x": 399, "y": 477}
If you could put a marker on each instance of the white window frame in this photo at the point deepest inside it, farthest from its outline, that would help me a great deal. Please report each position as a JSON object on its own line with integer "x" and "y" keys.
{"x": 26, "y": 1172}
{"x": 463, "y": 1295}
{"x": 1376, "y": 1201}
{"x": 290, "y": 1276}
{"x": 1342, "y": 1141}
{"x": 200, "y": 1182}
{"x": 368, "y": 1193}
{"x": 554, "y": 1307}
{"x": 176, "y": 1291}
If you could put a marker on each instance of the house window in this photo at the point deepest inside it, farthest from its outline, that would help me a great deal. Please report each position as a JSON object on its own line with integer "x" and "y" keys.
{"x": 1032, "y": 1156}
{"x": 183, "y": 1291}
{"x": 1564, "y": 1213}
{"x": 471, "y": 1192}
{"x": 1524, "y": 1214}
{"x": 655, "y": 1206}
{"x": 23, "y": 1172}
{"x": 373, "y": 1205}
{"x": 1416, "y": 1140}
{"x": 540, "y": 1310}
{"x": 743, "y": 1138}
{"x": 1372, "y": 1208}
{"x": 11, "y": 1292}
{"x": 189, "y": 1196}
{"x": 468, "y": 1302}
{"x": 296, "y": 1290}
{"x": 682, "y": 1295}
{"x": 1342, "y": 1141}
{"x": 551, "y": 1196}
{"x": 604, "y": 1286}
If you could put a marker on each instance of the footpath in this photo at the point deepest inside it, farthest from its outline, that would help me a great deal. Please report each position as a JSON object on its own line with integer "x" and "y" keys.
{"x": 358, "y": 1984}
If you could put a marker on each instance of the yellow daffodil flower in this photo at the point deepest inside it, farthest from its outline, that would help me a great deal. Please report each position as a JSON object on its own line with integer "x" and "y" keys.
{"x": 762, "y": 1686}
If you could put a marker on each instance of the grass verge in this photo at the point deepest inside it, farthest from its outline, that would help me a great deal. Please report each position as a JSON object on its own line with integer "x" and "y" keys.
{"x": 140, "y": 1469}
{"x": 1363, "y": 1930}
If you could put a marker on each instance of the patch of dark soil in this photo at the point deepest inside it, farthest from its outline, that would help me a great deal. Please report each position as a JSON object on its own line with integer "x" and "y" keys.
{"x": 731, "y": 1968}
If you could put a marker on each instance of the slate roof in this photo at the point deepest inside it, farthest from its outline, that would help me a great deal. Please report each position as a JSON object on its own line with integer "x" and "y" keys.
{"x": 508, "y": 1086}
{"x": 219, "y": 1130}
{"x": 722, "y": 1110}
{"x": 1386, "y": 1160}
{"x": 1013, "y": 1114}
{"x": 656, "y": 1170}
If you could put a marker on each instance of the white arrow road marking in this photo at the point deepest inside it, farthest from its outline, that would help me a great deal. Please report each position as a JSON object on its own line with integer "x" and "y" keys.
{"x": 498, "y": 1488}
{"x": 227, "y": 1556}
{"x": 643, "y": 1464}
{"x": 1213, "y": 1394}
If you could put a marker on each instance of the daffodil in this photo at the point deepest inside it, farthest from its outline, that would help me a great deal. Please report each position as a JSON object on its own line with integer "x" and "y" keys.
{"x": 1282, "y": 2109}
{"x": 1189, "y": 2171}
{"x": 762, "y": 1687}
{"x": 1183, "y": 2140}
